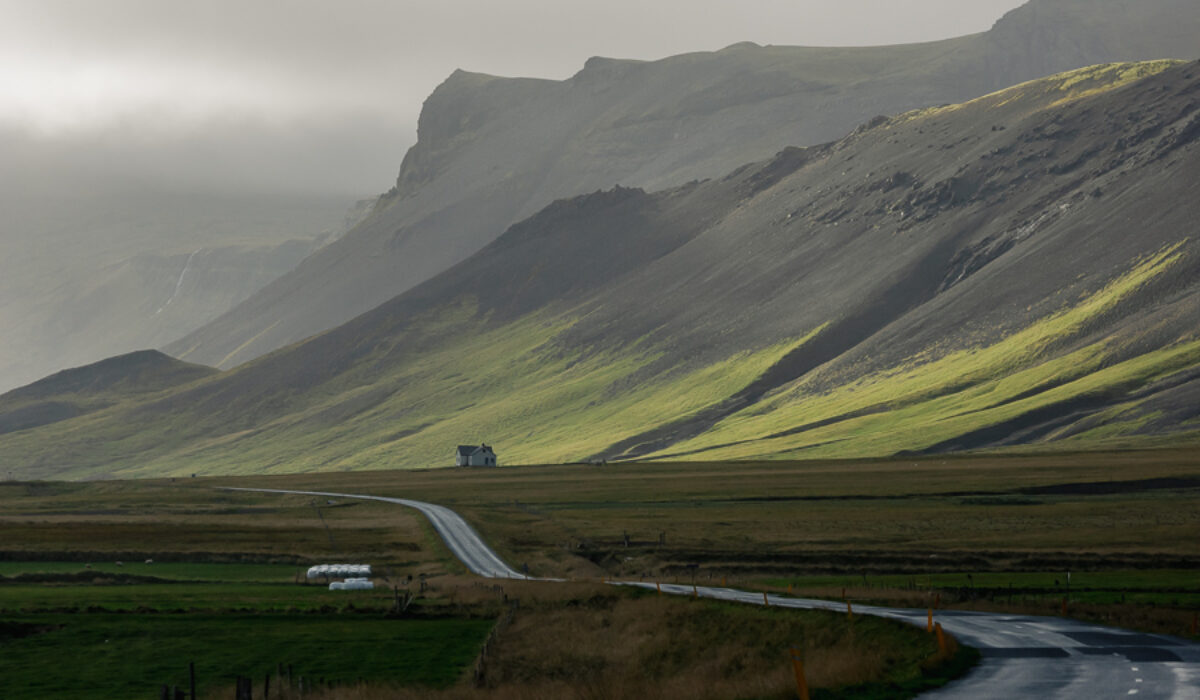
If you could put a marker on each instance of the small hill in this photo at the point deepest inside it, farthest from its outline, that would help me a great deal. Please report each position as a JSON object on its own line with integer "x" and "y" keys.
{"x": 76, "y": 392}
{"x": 493, "y": 151}
{"x": 1016, "y": 271}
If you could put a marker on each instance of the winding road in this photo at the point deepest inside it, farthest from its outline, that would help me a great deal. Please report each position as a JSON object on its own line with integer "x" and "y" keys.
{"x": 1023, "y": 656}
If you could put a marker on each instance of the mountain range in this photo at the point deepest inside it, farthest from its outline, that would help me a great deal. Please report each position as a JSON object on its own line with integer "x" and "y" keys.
{"x": 1016, "y": 271}
{"x": 493, "y": 151}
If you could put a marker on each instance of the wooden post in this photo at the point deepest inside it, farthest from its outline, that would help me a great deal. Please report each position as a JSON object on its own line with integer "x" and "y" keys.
{"x": 789, "y": 589}
{"x": 765, "y": 601}
{"x": 723, "y": 582}
{"x": 695, "y": 593}
{"x": 798, "y": 668}
{"x": 929, "y": 621}
{"x": 659, "y": 587}
{"x": 937, "y": 600}
{"x": 849, "y": 611}
{"x": 192, "y": 678}
{"x": 267, "y": 686}
{"x": 164, "y": 693}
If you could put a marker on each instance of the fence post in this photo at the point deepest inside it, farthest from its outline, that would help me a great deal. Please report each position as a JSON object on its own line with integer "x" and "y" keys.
{"x": 192, "y": 677}
{"x": 798, "y": 668}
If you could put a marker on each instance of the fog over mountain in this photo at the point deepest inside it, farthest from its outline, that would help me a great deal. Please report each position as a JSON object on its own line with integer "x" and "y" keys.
{"x": 137, "y": 133}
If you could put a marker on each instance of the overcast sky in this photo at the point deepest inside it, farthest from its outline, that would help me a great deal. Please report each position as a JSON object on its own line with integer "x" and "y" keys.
{"x": 308, "y": 95}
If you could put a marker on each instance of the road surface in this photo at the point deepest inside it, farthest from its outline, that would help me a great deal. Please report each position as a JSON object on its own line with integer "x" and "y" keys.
{"x": 1023, "y": 656}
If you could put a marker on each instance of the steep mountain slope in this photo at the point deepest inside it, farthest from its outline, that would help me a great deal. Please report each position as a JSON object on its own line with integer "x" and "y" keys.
{"x": 1019, "y": 269}
{"x": 492, "y": 151}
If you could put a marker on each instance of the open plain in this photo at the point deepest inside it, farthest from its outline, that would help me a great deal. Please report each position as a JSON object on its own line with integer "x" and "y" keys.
{"x": 985, "y": 532}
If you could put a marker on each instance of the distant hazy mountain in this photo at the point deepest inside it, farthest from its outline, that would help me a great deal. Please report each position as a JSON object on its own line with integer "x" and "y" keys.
{"x": 82, "y": 278}
{"x": 492, "y": 151}
{"x": 1018, "y": 270}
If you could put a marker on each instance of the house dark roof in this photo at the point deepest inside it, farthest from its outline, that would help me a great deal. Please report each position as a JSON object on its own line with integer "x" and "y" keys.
{"x": 467, "y": 449}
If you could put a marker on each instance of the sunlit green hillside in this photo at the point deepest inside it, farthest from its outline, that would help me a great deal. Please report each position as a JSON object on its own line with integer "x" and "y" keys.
{"x": 1016, "y": 272}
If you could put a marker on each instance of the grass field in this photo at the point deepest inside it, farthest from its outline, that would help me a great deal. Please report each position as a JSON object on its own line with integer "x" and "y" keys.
{"x": 1122, "y": 523}
{"x": 237, "y": 557}
{"x": 126, "y": 656}
{"x": 173, "y": 571}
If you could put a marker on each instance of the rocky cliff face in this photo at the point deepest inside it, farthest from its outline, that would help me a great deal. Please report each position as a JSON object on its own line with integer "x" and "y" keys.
{"x": 492, "y": 151}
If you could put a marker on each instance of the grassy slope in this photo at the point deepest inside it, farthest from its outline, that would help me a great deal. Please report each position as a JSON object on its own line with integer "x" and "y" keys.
{"x": 451, "y": 375}
{"x": 924, "y": 402}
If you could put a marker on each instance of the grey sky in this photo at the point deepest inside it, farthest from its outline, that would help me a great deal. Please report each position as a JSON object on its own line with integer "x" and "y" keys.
{"x": 308, "y": 95}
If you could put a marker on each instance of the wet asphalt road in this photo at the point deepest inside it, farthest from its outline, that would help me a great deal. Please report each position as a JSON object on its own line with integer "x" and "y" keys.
{"x": 1023, "y": 656}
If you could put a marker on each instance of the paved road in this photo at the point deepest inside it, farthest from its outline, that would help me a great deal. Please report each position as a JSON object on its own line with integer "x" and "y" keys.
{"x": 461, "y": 538}
{"x": 1023, "y": 656}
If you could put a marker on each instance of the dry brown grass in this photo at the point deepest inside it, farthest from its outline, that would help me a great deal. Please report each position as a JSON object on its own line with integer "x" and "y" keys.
{"x": 579, "y": 641}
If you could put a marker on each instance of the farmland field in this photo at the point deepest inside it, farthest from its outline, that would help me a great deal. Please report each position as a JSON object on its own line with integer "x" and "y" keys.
{"x": 180, "y": 571}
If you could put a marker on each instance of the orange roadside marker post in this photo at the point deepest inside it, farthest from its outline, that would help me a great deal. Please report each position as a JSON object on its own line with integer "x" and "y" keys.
{"x": 695, "y": 593}
{"x": 941, "y": 637}
{"x": 765, "y": 601}
{"x": 659, "y": 587}
{"x": 929, "y": 621}
{"x": 937, "y": 600}
{"x": 849, "y": 610}
{"x": 798, "y": 667}
{"x": 722, "y": 582}
{"x": 789, "y": 589}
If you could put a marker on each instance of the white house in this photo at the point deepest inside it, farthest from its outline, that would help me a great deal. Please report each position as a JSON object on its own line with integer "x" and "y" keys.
{"x": 474, "y": 456}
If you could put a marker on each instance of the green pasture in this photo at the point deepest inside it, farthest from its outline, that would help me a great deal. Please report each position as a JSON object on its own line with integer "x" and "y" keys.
{"x": 97, "y": 656}
{"x": 174, "y": 571}
{"x": 186, "y": 596}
